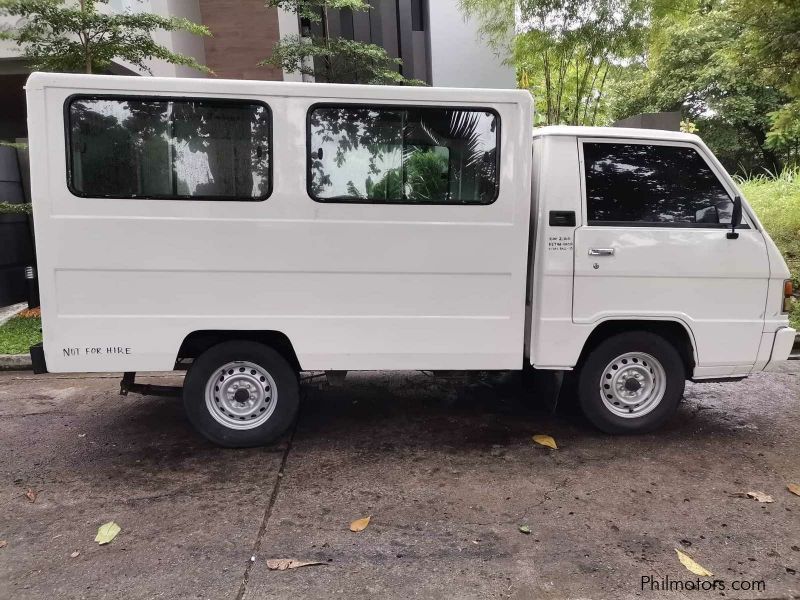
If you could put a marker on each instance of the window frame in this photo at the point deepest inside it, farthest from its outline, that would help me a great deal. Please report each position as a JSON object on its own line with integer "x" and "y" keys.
{"x": 732, "y": 193}
{"x": 369, "y": 105}
{"x": 171, "y": 98}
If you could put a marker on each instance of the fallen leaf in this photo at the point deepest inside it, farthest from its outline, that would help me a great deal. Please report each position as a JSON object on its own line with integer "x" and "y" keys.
{"x": 359, "y": 525}
{"x": 75, "y": 554}
{"x": 691, "y": 565}
{"x": 760, "y": 496}
{"x": 545, "y": 440}
{"x": 107, "y": 532}
{"x": 3, "y": 543}
{"x": 794, "y": 488}
{"x": 525, "y": 529}
{"x": 281, "y": 564}
{"x": 31, "y": 495}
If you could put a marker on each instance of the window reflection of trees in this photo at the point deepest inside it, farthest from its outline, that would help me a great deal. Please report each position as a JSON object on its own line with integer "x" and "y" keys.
{"x": 403, "y": 155}
{"x": 652, "y": 184}
{"x": 164, "y": 148}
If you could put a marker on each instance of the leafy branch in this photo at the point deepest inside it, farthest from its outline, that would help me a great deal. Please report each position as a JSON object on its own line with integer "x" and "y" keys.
{"x": 57, "y": 36}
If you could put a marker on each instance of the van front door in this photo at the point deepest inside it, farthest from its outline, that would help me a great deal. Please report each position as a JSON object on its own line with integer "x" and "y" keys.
{"x": 654, "y": 246}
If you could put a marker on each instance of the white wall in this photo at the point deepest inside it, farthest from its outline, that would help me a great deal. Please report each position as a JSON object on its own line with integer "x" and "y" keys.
{"x": 181, "y": 42}
{"x": 288, "y": 25}
{"x": 459, "y": 57}
{"x": 175, "y": 41}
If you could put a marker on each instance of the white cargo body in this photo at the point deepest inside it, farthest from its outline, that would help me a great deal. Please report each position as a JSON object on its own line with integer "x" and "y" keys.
{"x": 384, "y": 228}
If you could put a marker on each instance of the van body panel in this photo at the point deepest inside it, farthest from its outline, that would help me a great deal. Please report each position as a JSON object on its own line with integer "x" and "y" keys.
{"x": 353, "y": 286}
{"x": 555, "y": 341}
{"x": 372, "y": 286}
{"x": 715, "y": 285}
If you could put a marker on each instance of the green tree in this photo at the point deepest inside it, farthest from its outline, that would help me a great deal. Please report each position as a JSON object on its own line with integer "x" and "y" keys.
{"x": 695, "y": 64}
{"x": 771, "y": 42}
{"x": 56, "y": 35}
{"x": 333, "y": 60}
{"x": 566, "y": 51}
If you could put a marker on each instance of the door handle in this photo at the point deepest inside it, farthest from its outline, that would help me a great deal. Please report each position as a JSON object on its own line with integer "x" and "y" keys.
{"x": 601, "y": 251}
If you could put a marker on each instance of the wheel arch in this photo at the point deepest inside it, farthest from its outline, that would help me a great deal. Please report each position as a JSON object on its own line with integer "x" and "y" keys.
{"x": 673, "y": 330}
{"x": 197, "y": 342}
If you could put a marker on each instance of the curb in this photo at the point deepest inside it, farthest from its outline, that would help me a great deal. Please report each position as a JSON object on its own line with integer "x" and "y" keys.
{"x": 7, "y": 312}
{"x": 15, "y": 362}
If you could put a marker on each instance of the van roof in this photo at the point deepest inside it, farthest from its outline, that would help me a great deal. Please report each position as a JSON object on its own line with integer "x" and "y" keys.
{"x": 323, "y": 91}
{"x": 615, "y": 132}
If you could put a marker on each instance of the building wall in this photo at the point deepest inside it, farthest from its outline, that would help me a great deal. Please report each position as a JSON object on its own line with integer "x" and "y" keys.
{"x": 180, "y": 42}
{"x": 244, "y": 33}
{"x": 459, "y": 57}
{"x": 391, "y": 24}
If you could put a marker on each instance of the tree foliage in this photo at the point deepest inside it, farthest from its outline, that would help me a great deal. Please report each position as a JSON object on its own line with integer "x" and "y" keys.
{"x": 770, "y": 42}
{"x": 333, "y": 60}
{"x": 695, "y": 68}
{"x": 701, "y": 61}
{"x": 731, "y": 67}
{"x": 56, "y": 35}
{"x": 566, "y": 51}
{"x": 336, "y": 60}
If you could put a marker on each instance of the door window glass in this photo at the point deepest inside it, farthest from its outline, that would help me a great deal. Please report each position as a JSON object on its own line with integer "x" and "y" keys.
{"x": 643, "y": 183}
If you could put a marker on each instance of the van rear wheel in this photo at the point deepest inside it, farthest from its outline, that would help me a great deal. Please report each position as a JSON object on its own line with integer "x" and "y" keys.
{"x": 241, "y": 394}
{"x": 631, "y": 383}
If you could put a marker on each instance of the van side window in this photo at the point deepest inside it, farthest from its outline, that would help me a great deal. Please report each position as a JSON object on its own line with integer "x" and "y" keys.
{"x": 163, "y": 148}
{"x": 652, "y": 184}
{"x": 403, "y": 155}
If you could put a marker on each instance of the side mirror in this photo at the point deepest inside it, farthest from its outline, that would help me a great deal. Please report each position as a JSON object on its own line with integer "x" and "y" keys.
{"x": 736, "y": 218}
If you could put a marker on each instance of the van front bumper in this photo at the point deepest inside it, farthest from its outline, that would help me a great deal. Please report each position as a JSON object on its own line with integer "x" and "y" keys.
{"x": 781, "y": 347}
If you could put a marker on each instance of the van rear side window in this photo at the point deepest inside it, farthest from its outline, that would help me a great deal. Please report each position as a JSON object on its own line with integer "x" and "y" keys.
{"x": 403, "y": 155}
{"x": 172, "y": 149}
{"x": 652, "y": 184}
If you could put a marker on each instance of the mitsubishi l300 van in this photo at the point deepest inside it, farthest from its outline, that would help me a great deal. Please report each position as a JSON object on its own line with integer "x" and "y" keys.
{"x": 248, "y": 231}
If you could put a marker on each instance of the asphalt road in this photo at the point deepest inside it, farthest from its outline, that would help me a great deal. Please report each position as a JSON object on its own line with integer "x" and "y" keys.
{"x": 448, "y": 473}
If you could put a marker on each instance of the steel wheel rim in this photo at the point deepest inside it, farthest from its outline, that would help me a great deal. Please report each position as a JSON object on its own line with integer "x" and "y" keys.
{"x": 241, "y": 395}
{"x": 633, "y": 385}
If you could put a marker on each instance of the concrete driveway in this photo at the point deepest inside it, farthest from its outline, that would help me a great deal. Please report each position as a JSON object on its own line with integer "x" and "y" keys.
{"x": 446, "y": 481}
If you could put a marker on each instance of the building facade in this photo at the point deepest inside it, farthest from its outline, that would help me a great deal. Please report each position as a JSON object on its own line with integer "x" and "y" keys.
{"x": 435, "y": 42}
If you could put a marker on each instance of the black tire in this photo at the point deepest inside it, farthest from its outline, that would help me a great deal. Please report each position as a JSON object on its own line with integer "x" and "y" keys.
{"x": 591, "y": 377}
{"x": 286, "y": 392}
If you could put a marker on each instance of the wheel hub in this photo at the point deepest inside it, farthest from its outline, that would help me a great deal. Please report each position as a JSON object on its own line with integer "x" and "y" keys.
{"x": 633, "y": 384}
{"x": 241, "y": 395}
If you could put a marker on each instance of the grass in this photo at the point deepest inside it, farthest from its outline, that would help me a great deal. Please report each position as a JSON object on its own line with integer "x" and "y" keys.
{"x": 776, "y": 201}
{"x": 20, "y": 333}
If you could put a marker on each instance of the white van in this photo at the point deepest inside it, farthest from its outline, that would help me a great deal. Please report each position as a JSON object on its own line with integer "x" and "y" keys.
{"x": 254, "y": 230}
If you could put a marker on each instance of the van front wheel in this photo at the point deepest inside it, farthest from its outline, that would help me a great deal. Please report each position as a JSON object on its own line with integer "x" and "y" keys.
{"x": 631, "y": 383}
{"x": 241, "y": 394}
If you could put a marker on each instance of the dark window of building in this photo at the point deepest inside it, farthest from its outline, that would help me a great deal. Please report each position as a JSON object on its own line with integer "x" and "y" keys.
{"x": 169, "y": 149}
{"x": 418, "y": 15}
{"x": 643, "y": 183}
{"x": 346, "y": 20}
{"x": 405, "y": 155}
